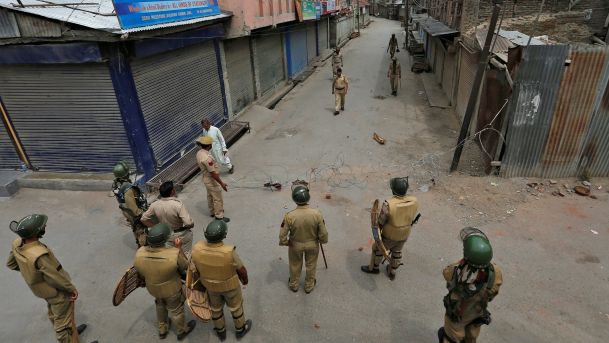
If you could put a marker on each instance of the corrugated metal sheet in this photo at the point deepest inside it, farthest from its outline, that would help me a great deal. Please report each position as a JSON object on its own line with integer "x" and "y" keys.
{"x": 323, "y": 34}
{"x": 438, "y": 66}
{"x": 595, "y": 156}
{"x": 436, "y": 28}
{"x": 580, "y": 95}
{"x": 269, "y": 61}
{"x": 467, "y": 72}
{"x": 8, "y": 156}
{"x": 448, "y": 76}
{"x": 66, "y": 116}
{"x": 32, "y": 26}
{"x": 240, "y": 72}
{"x": 8, "y": 24}
{"x": 176, "y": 90}
{"x": 531, "y": 107}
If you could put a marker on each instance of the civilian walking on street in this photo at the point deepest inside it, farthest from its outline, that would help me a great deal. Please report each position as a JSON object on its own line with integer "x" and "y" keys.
{"x": 218, "y": 149}
{"x": 340, "y": 87}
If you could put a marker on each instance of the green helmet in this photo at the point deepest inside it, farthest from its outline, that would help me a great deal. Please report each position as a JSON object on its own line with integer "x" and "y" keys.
{"x": 300, "y": 195}
{"x": 399, "y": 185}
{"x": 158, "y": 234}
{"x": 477, "y": 249}
{"x": 216, "y": 231}
{"x": 121, "y": 170}
{"x": 30, "y": 226}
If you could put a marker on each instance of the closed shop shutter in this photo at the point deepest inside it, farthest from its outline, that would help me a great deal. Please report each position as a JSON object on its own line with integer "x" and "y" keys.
{"x": 298, "y": 49}
{"x": 176, "y": 90}
{"x": 345, "y": 28}
{"x": 323, "y": 34}
{"x": 448, "y": 77}
{"x": 66, "y": 116}
{"x": 240, "y": 72}
{"x": 8, "y": 156}
{"x": 467, "y": 73}
{"x": 311, "y": 42}
{"x": 269, "y": 61}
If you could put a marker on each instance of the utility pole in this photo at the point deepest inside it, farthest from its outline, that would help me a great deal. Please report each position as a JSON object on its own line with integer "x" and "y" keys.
{"x": 358, "y": 13}
{"x": 473, "y": 96}
{"x": 406, "y": 20}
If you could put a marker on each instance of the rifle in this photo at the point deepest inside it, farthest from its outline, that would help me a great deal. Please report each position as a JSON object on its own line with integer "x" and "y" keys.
{"x": 323, "y": 254}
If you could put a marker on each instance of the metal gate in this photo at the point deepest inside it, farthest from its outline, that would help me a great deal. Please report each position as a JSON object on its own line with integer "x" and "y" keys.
{"x": 8, "y": 156}
{"x": 298, "y": 50}
{"x": 176, "y": 90}
{"x": 240, "y": 72}
{"x": 66, "y": 116}
{"x": 269, "y": 61}
{"x": 311, "y": 42}
{"x": 323, "y": 34}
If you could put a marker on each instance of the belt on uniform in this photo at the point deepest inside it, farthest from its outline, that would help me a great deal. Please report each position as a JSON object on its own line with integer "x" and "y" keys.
{"x": 339, "y": 88}
{"x": 181, "y": 229}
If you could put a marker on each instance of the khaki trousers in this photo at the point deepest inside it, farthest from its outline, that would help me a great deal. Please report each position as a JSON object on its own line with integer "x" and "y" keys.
{"x": 61, "y": 315}
{"x": 186, "y": 238}
{"x": 234, "y": 301}
{"x": 461, "y": 331}
{"x": 174, "y": 307}
{"x": 395, "y": 247}
{"x": 394, "y": 80}
{"x": 339, "y": 99}
{"x": 310, "y": 251}
{"x": 335, "y": 67}
{"x": 215, "y": 203}
{"x": 139, "y": 232}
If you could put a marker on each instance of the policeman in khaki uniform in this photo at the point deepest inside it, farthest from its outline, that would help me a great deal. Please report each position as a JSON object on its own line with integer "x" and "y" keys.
{"x": 162, "y": 268}
{"x": 303, "y": 229}
{"x": 211, "y": 178}
{"x": 472, "y": 283}
{"x": 394, "y": 74}
{"x": 45, "y": 276}
{"x": 395, "y": 220}
{"x": 340, "y": 87}
{"x": 171, "y": 211}
{"x": 220, "y": 270}
{"x": 131, "y": 201}
{"x": 337, "y": 61}
{"x": 393, "y": 45}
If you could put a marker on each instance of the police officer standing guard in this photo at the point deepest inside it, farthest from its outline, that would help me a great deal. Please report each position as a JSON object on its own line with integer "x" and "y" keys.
{"x": 395, "y": 75}
{"x": 302, "y": 230}
{"x": 337, "y": 61}
{"x": 131, "y": 201}
{"x": 162, "y": 269}
{"x": 45, "y": 276}
{"x": 211, "y": 178}
{"x": 393, "y": 45}
{"x": 171, "y": 211}
{"x": 396, "y": 219}
{"x": 340, "y": 87}
{"x": 220, "y": 270}
{"x": 472, "y": 283}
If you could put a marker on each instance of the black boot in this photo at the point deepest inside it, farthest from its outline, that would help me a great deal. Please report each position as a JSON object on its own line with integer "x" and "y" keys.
{"x": 189, "y": 327}
{"x": 390, "y": 274}
{"x": 366, "y": 269}
{"x": 81, "y": 328}
{"x": 221, "y": 334}
{"x": 245, "y": 329}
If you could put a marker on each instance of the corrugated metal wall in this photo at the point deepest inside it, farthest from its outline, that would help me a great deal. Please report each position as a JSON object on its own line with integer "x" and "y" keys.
{"x": 8, "y": 156}
{"x": 558, "y": 116}
{"x": 467, "y": 72}
{"x": 66, "y": 116}
{"x": 448, "y": 76}
{"x": 323, "y": 34}
{"x": 31, "y": 26}
{"x": 240, "y": 72}
{"x": 298, "y": 49}
{"x": 344, "y": 27}
{"x": 176, "y": 90}
{"x": 8, "y": 24}
{"x": 438, "y": 60}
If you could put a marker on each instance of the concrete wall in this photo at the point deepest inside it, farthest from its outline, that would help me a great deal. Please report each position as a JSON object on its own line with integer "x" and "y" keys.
{"x": 254, "y": 14}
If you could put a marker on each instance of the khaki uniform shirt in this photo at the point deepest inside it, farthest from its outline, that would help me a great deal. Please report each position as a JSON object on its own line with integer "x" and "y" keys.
{"x": 337, "y": 60}
{"x": 340, "y": 83}
{"x": 304, "y": 224}
{"x": 40, "y": 269}
{"x": 130, "y": 203}
{"x": 393, "y": 72}
{"x": 162, "y": 268}
{"x": 207, "y": 164}
{"x": 169, "y": 211}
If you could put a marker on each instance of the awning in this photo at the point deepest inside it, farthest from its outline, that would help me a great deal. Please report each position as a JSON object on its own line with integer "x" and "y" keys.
{"x": 436, "y": 28}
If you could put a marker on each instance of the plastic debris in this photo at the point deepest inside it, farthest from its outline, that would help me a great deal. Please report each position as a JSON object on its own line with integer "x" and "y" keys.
{"x": 378, "y": 138}
{"x": 594, "y": 232}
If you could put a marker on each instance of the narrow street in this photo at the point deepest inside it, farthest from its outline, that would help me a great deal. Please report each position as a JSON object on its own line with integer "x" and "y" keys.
{"x": 555, "y": 284}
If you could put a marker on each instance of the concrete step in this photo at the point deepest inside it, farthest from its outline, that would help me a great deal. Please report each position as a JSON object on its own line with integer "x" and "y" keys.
{"x": 9, "y": 182}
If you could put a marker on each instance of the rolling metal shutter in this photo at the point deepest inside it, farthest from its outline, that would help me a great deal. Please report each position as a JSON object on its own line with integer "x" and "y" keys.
{"x": 8, "y": 156}
{"x": 311, "y": 42}
{"x": 66, "y": 116}
{"x": 269, "y": 61}
{"x": 298, "y": 50}
{"x": 467, "y": 72}
{"x": 345, "y": 27}
{"x": 176, "y": 90}
{"x": 323, "y": 34}
{"x": 240, "y": 72}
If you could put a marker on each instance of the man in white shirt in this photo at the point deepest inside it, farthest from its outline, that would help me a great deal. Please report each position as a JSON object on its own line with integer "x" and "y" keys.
{"x": 218, "y": 150}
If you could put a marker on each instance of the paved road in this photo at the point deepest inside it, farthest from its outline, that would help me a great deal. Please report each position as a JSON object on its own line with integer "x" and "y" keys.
{"x": 555, "y": 285}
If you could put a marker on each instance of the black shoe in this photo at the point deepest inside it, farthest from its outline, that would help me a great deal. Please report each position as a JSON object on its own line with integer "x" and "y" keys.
{"x": 336, "y": 113}
{"x": 163, "y": 335}
{"x": 342, "y": 108}
{"x": 441, "y": 335}
{"x": 389, "y": 274}
{"x": 231, "y": 170}
{"x": 366, "y": 269}
{"x": 221, "y": 334}
{"x": 246, "y": 328}
{"x": 189, "y": 327}
{"x": 81, "y": 328}
{"x": 95, "y": 342}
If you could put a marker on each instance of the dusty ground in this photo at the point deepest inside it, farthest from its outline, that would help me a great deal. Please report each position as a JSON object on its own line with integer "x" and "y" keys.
{"x": 553, "y": 249}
